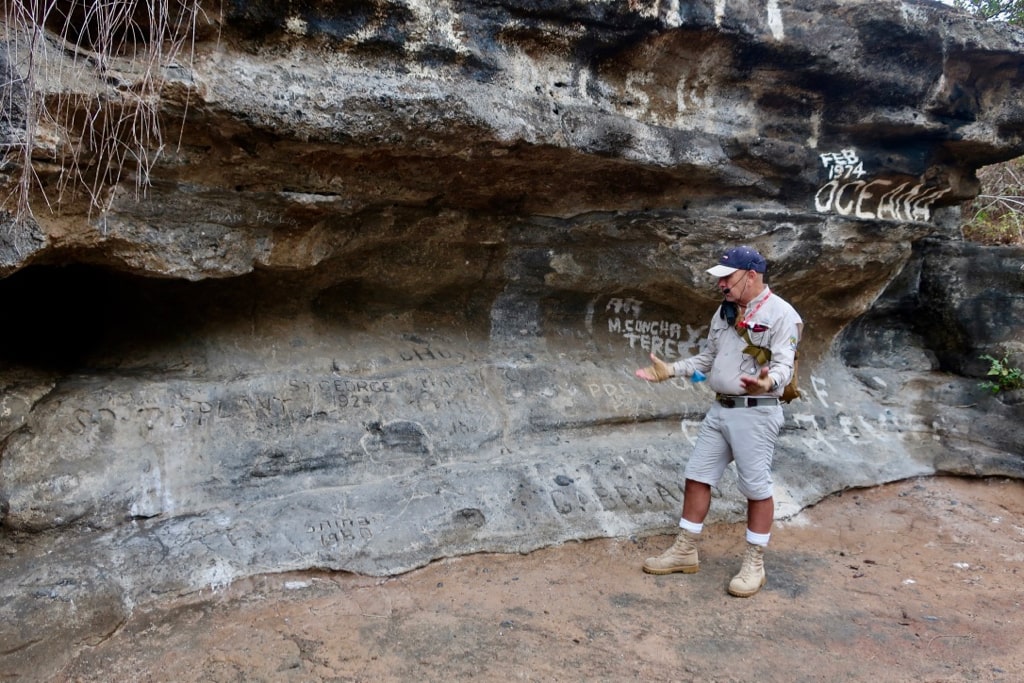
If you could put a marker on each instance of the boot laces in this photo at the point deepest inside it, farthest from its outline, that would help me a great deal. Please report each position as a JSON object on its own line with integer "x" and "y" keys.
{"x": 752, "y": 562}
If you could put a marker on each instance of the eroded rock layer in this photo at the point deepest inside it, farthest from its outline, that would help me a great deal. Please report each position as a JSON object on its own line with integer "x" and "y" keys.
{"x": 381, "y": 299}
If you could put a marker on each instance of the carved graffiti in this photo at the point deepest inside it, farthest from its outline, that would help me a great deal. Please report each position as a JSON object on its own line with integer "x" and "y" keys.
{"x": 427, "y": 353}
{"x": 610, "y": 489}
{"x": 331, "y": 532}
{"x": 295, "y": 402}
{"x": 834, "y": 431}
{"x": 635, "y": 496}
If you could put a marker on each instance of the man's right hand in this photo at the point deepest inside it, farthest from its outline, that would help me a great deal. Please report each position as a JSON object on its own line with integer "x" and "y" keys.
{"x": 659, "y": 371}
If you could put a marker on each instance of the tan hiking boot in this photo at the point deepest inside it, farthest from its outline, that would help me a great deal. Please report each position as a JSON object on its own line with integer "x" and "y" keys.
{"x": 681, "y": 556}
{"x": 751, "y": 576}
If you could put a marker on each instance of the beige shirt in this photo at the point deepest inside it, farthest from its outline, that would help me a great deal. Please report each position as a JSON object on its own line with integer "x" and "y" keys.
{"x": 772, "y": 323}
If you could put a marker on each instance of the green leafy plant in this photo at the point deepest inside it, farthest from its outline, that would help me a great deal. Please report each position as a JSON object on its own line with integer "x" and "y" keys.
{"x": 1006, "y": 377}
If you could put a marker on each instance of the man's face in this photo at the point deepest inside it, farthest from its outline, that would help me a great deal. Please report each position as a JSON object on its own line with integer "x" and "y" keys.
{"x": 731, "y": 282}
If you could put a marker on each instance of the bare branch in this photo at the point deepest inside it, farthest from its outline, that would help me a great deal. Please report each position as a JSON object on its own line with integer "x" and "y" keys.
{"x": 92, "y": 82}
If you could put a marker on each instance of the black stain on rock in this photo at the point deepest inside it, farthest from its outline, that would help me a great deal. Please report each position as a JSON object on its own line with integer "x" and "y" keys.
{"x": 401, "y": 436}
{"x": 471, "y": 517}
{"x": 278, "y": 463}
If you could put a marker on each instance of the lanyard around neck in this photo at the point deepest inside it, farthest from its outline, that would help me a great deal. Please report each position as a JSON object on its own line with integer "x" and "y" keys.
{"x": 750, "y": 314}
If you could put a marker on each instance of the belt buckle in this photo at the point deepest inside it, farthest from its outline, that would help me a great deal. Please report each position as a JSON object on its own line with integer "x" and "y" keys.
{"x": 728, "y": 401}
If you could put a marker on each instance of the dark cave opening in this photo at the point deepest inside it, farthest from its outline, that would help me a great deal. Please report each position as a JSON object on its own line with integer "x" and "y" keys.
{"x": 90, "y": 318}
{"x": 67, "y": 318}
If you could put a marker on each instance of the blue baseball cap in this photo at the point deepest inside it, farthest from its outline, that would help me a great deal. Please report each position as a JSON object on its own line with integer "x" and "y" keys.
{"x": 739, "y": 258}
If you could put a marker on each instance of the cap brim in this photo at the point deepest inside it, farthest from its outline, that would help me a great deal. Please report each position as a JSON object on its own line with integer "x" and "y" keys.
{"x": 722, "y": 271}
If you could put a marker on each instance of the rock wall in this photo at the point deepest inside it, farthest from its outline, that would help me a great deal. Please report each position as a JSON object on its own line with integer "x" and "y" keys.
{"x": 382, "y": 297}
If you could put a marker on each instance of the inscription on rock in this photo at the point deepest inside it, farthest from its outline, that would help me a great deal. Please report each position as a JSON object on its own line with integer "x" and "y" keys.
{"x": 667, "y": 338}
{"x": 330, "y": 533}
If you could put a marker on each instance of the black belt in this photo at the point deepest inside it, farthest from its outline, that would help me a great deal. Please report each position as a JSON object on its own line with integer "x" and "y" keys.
{"x": 746, "y": 401}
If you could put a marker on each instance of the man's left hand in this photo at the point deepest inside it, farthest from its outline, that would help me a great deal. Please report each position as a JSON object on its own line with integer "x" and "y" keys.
{"x": 761, "y": 384}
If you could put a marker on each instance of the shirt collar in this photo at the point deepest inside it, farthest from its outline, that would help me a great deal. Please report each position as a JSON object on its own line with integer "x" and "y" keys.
{"x": 760, "y": 297}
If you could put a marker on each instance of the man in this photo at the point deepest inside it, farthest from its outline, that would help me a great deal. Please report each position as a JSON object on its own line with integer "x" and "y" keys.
{"x": 748, "y": 360}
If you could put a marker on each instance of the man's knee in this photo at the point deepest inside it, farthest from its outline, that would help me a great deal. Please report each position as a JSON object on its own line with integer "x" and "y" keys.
{"x": 755, "y": 493}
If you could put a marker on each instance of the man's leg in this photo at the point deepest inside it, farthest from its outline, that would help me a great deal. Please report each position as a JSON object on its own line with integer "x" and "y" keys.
{"x": 681, "y": 556}
{"x": 696, "y": 501}
{"x": 754, "y": 439}
{"x": 760, "y": 514}
{"x": 711, "y": 455}
{"x": 751, "y": 576}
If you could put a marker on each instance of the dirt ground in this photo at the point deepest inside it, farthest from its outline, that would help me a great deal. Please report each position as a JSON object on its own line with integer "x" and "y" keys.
{"x": 919, "y": 580}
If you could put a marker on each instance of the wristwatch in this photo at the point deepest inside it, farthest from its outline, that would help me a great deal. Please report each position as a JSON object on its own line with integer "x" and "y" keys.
{"x": 775, "y": 386}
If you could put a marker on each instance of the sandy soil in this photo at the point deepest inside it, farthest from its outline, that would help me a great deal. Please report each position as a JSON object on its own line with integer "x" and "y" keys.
{"x": 915, "y": 581}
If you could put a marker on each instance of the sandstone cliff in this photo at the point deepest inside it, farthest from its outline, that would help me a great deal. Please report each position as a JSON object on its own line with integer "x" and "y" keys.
{"x": 381, "y": 293}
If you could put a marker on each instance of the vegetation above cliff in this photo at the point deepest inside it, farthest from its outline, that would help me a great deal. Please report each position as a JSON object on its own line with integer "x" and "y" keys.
{"x": 996, "y": 215}
{"x": 1011, "y": 11}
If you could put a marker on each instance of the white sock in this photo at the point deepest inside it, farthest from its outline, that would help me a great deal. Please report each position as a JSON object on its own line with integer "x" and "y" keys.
{"x": 758, "y": 539}
{"x": 692, "y": 527}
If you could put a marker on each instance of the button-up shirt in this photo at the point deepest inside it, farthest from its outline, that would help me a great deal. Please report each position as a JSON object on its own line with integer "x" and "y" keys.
{"x": 772, "y": 323}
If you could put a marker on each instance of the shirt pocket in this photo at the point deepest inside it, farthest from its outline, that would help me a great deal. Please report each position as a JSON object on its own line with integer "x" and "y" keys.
{"x": 760, "y": 333}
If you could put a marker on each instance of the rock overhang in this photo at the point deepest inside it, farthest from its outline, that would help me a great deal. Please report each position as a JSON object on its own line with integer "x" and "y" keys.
{"x": 383, "y": 302}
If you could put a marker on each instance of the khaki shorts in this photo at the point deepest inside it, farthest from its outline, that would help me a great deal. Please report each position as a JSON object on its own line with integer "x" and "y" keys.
{"x": 742, "y": 435}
